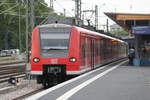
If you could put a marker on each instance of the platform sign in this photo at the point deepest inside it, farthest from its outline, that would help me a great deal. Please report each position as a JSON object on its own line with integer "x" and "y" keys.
{"x": 145, "y": 30}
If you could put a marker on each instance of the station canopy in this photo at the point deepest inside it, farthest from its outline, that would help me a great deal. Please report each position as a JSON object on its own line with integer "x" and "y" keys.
{"x": 128, "y": 20}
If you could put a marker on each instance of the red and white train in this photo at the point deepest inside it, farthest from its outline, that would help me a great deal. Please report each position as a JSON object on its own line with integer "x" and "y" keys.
{"x": 60, "y": 50}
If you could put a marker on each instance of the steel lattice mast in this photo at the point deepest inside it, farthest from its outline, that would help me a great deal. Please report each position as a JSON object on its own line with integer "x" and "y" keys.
{"x": 78, "y": 10}
{"x": 30, "y": 23}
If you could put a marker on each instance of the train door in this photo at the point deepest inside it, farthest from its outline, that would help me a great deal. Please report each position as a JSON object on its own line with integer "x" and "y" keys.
{"x": 98, "y": 55}
{"x": 101, "y": 50}
{"x": 86, "y": 52}
{"x": 92, "y": 53}
{"x": 83, "y": 52}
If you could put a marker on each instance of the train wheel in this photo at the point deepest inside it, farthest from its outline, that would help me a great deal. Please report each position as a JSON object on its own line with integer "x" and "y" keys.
{"x": 45, "y": 85}
{"x": 61, "y": 77}
{"x": 47, "y": 82}
{"x": 50, "y": 80}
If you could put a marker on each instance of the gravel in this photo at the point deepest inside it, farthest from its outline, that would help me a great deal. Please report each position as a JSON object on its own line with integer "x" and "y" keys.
{"x": 24, "y": 87}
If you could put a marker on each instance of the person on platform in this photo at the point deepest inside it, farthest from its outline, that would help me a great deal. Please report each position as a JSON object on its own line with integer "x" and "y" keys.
{"x": 144, "y": 52}
{"x": 131, "y": 55}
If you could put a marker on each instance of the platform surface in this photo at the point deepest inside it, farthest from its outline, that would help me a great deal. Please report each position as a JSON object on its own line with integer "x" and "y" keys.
{"x": 121, "y": 82}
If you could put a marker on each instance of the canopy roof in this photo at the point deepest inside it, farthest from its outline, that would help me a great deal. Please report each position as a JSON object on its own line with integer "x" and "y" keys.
{"x": 127, "y": 20}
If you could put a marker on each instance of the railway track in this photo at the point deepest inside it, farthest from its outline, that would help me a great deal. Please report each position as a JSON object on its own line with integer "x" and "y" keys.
{"x": 32, "y": 88}
{"x": 11, "y": 69}
{"x": 41, "y": 89}
{"x": 29, "y": 94}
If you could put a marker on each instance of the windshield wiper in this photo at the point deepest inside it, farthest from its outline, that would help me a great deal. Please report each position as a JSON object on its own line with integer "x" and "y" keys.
{"x": 59, "y": 48}
{"x": 54, "y": 49}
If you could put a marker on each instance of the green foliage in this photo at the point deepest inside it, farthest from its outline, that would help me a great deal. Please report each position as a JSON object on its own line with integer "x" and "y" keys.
{"x": 9, "y": 21}
{"x": 120, "y": 32}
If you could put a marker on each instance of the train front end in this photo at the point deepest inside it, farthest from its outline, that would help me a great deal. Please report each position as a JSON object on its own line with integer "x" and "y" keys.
{"x": 52, "y": 53}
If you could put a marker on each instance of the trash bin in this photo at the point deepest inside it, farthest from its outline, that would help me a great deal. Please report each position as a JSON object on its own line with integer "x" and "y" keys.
{"x": 136, "y": 62}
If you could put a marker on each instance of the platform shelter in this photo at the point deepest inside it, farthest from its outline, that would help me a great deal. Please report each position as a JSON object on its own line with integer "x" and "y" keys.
{"x": 137, "y": 25}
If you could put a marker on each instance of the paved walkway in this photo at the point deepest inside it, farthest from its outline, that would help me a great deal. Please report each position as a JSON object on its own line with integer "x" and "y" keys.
{"x": 115, "y": 82}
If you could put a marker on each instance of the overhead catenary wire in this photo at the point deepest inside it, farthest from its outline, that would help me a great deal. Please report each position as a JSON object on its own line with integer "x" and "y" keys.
{"x": 63, "y": 8}
{"x": 14, "y": 14}
{"x": 2, "y": 2}
{"x": 9, "y": 9}
{"x": 44, "y": 20}
{"x": 8, "y": 3}
{"x": 131, "y": 5}
{"x": 43, "y": 4}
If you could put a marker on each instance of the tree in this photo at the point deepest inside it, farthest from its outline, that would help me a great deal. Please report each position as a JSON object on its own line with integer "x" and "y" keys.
{"x": 9, "y": 18}
{"x": 119, "y": 32}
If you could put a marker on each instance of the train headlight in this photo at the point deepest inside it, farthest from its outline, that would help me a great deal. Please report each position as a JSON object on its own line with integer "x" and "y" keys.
{"x": 73, "y": 59}
{"x": 36, "y": 60}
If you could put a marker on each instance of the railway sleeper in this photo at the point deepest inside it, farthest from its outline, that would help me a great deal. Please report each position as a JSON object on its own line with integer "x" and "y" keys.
{"x": 11, "y": 67}
{"x": 11, "y": 71}
{"x": 12, "y": 74}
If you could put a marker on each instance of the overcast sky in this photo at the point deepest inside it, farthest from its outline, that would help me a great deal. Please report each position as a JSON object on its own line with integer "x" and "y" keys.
{"x": 124, "y": 6}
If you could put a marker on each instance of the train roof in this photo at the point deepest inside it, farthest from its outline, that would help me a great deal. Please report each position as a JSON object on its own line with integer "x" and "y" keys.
{"x": 79, "y": 29}
{"x": 54, "y": 25}
{"x": 96, "y": 33}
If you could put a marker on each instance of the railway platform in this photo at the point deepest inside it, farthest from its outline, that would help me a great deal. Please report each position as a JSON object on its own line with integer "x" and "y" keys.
{"x": 111, "y": 82}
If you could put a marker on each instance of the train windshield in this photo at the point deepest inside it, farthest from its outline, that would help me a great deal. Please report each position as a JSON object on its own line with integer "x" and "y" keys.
{"x": 54, "y": 42}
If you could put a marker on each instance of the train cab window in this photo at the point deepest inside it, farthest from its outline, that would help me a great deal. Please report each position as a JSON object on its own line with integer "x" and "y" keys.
{"x": 54, "y": 38}
{"x": 60, "y": 43}
{"x": 54, "y": 41}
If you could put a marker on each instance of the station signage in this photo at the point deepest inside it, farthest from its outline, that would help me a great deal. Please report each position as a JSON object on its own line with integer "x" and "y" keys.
{"x": 145, "y": 30}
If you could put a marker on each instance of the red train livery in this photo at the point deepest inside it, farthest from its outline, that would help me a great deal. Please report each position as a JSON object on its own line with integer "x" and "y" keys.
{"x": 60, "y": 50}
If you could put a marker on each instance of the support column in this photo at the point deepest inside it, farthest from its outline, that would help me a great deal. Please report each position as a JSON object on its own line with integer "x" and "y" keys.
{"x": 107, "y": 26}
{"x": 96, "y": 17}
{"x": 137, "y": 42}
{"x": 51, "y": 4}
{"x": 78, "y": 11}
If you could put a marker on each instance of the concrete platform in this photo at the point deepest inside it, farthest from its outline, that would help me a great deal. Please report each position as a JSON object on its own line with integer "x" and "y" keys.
{"x": 114, "y": 82}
